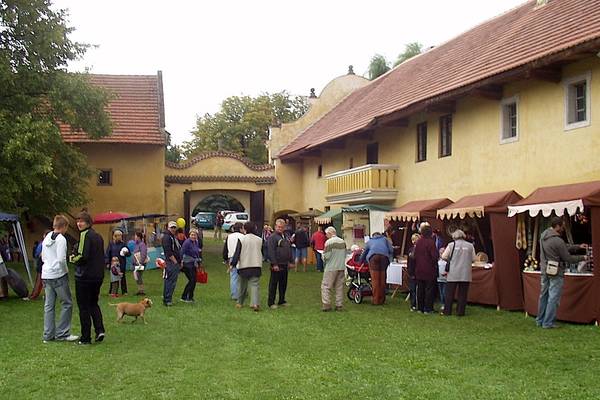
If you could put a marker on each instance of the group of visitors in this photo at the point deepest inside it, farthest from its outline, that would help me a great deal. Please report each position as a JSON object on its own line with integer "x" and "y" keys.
{"x": 244, "y": 252}
{"x": 430, "y": 264}
{"x": 88, "y": 257}
{"x": 180, "y": 255}
{"x": 9, "y": 248}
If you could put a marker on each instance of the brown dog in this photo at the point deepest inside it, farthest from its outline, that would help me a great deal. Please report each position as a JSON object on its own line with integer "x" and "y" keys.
{"x": 133, "y": 309}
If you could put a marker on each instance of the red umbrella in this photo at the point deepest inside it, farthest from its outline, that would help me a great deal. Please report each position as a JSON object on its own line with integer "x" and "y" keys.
{"x": 108, "y": 217}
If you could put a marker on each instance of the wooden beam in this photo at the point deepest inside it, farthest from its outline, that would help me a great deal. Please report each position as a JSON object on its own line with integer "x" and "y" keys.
{"x": 490, "y": 92}
{"x": 334, "y": 144}
{"x": 312, "y": 153}
{"x": 364, "y": 135}
{"x": 396, "y": 123}
{"x": 447, "y": 107}
{"x": 551, "y": 74}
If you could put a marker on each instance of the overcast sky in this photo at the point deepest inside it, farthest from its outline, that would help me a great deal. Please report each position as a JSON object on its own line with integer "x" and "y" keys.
{"x": 209, "y": 50}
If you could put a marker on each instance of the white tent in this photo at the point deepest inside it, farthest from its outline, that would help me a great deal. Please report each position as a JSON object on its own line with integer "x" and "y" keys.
{"x": 20, "y": 239}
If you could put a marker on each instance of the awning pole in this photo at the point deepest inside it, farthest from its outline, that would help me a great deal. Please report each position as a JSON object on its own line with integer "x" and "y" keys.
{"x": 21, "y": 239}
{"x": 404, "y": 238}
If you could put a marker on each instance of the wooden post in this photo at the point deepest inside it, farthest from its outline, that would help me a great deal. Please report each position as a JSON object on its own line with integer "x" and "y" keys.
{"x": 404, "y": 238}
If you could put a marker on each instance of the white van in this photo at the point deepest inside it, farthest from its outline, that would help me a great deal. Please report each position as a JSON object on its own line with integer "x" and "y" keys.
{"x": 232, "y": 218}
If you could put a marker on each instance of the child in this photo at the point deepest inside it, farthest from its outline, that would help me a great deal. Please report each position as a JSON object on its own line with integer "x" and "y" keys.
{"x": 115, "y": 276}
{"x": 441, "y": 280}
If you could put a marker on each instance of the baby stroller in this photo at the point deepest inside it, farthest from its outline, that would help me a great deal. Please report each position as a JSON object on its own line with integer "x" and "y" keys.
{"x": 359, "y": 284}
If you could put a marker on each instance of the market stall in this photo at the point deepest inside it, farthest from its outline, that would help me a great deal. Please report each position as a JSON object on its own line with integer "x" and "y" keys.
{"x": 306, "y": 218}
{"x": 331, "y": 218}
{"x": 18, "y": 231}
{"x": 360, "y": 221}
{"x": 579, "y": 205}
{"x": 483, "y": 217}
{"x": 405, "y": 219}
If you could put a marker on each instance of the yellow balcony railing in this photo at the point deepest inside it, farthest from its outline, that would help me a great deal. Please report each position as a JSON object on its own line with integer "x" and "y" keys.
{"x": 369, "y": 182}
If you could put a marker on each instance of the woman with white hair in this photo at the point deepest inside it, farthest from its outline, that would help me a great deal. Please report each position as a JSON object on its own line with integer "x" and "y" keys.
{"x": 460, "y": 255}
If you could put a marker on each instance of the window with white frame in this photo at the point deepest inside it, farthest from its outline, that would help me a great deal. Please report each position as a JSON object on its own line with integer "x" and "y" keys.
{"x": 509, "y": 125}
{"x": 577, "y": 101}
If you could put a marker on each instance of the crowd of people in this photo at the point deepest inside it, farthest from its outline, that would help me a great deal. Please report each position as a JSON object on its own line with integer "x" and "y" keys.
{"x": 246, "y": 249}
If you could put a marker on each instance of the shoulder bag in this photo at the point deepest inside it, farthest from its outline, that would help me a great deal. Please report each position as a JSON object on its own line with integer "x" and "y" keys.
{"x": 551, "y": 267}
{"x": 450, "y": 258}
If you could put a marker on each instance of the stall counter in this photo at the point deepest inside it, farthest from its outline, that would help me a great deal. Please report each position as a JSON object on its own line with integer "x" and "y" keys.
{"x": 578, "y": 302}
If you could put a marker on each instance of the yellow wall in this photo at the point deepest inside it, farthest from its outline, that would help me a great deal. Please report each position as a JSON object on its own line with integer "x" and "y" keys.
{"x": 545, "y": 153}
{"x": 137, "y": 179}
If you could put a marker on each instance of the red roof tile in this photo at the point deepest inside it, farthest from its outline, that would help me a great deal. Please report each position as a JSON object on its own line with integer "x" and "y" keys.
{"x": 524, "y": 36}
{"x": 135, "y": 112}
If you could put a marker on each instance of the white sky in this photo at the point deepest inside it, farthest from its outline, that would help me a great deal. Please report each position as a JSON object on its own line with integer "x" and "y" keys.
{"x": 210, "y": 50}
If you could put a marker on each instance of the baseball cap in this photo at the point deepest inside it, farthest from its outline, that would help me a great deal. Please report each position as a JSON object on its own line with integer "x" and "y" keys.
{"x": 172, "y": 224}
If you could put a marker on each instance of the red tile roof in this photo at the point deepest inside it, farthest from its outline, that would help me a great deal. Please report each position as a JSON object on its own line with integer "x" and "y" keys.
{"x": 527, "y": 36}
{"x": 136, "y": 111}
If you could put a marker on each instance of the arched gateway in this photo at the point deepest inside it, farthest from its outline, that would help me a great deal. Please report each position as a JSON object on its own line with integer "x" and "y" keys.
{"x": 216, "y": 177}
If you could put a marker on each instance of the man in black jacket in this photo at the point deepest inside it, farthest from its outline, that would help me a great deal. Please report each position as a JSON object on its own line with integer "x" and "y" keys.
{"x": 279, "y": 254}
{"x": 89, "y": 274}
{"x": 172, "y": 252}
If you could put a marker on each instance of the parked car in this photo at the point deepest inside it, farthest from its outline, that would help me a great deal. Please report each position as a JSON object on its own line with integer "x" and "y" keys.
{"x": 205, "y": 220}
{"x": 232, "y": 218}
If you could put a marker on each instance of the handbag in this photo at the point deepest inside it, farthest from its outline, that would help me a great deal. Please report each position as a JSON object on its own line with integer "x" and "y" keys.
{"x": 201, "y": 275}
{"x": 450, "y": 258}
{"x": 139, "y": 266}
{"x": 552, "y": 268}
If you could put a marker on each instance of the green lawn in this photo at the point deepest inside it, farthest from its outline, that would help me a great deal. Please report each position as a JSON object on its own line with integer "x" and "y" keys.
{"x": 211, "y": 350}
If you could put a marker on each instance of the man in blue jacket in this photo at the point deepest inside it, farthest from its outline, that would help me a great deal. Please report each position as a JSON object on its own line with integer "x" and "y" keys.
{"x": 379, "y": 253}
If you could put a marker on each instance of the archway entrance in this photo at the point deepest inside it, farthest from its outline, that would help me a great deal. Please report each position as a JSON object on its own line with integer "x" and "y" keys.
{"x": 218, "y": 202}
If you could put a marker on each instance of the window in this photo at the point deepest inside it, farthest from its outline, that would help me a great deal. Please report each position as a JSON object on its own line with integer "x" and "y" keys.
{"x": 351, "y": 163}
{"x": 105, "y": 177}
{"x": 422, "y": 141}
{"x": 373, "y": 153}
{"x": 445, "y": 135}
{"x": 577, "y": 102}
{"x": 320, "y": 171}
{"x": 327, "y": 208}
{"x": 509, "y": 124}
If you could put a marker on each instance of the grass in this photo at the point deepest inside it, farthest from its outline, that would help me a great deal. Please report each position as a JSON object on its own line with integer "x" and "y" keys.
{"x": 210, "y": 350}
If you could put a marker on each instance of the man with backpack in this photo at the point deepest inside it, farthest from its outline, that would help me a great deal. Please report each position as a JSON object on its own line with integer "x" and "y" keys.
{"x": 279, "y": 254}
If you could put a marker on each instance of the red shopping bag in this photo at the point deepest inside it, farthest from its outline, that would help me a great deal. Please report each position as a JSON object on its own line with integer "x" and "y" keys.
{"x": 201, "y": 275}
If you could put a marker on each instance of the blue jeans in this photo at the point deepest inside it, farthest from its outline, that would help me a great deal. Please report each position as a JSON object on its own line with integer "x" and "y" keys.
{"x": 319, "y": 261}
{"x": 442, "y": 291}
{"x": 172, "y": 271}
{"x": 549, "y": 300}
{"x": 57, "y": 288}
{"x": 233, "y": 283}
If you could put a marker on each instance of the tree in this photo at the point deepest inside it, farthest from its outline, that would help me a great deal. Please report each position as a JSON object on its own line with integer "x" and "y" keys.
{"x": 410, "y": 50}
{"x": 40, "y": 173}
{"x": 242, "y": 124}
{"x": 174, "y": 152}
{"x": 378, "y": 66}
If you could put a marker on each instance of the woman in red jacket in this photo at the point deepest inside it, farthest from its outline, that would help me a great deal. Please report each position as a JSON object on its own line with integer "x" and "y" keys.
{"x": 426, "y": 258}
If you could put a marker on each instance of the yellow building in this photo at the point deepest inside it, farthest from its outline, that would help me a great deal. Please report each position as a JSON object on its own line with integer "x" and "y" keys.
{"x": 508, "y": 105}
{"x": 129, "y": 165}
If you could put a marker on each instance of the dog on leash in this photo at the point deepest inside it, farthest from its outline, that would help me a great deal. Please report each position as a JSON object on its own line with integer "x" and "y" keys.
{"x": 132, "y": 309}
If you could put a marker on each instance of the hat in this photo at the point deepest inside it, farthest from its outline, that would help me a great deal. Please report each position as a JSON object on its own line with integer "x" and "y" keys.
{"x": 172, "y": 224}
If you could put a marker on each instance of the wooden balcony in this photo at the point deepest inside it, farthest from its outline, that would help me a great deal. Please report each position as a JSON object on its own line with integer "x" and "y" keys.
{"x": 374, "y": 182}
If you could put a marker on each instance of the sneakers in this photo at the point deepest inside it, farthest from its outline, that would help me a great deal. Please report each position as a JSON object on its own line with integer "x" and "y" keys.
{"x": 326, "y": 307}
{"x": 168, "y": 304}
{"x": 186, "y": 300}
{"x": 255, "y": 308}
{"x": 84, "y": 343}
{"x": 339, "y": 308}
{"x": 100, "y": 337}
{"x": 238, "y": 306}
{"x": 286, "y": 304}
{"x": 273, "y": 307}
{"x": 45, "y": 341}
{"x": 70, "y": 338}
